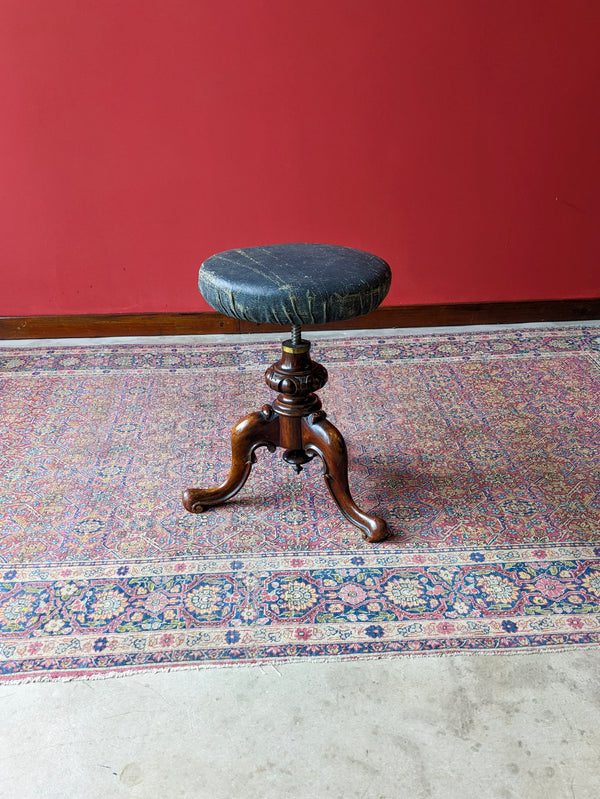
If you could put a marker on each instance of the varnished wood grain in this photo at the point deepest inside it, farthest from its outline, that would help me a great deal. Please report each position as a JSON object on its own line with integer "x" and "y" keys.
{"x": 93, "y": 325}
{"x": 156, "y": 324}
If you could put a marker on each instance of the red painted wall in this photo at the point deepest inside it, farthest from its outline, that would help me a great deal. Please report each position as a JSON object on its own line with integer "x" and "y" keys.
{"x": 459, "y": 139}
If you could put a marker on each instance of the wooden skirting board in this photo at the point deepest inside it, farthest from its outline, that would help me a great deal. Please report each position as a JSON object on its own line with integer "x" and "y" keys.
{"x": 174, "y": 324}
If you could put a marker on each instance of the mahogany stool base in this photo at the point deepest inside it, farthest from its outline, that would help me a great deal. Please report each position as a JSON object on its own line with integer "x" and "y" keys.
{"x": 295, "y": 422}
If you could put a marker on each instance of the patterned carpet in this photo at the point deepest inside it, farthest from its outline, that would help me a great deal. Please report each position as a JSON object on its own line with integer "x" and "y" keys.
{"x": 482, "y": 450}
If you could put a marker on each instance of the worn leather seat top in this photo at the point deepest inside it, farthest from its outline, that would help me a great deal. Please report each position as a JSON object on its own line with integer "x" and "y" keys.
{"x": 294, "y": 284}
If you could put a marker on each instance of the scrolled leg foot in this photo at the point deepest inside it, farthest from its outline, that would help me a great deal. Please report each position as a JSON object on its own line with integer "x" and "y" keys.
{"x": 259, "y": 429}
{"x": 323, "y": 439}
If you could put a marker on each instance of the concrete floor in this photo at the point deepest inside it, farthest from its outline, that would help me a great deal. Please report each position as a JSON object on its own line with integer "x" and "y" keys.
{"x": 523, "y": 726}
{"x": 468, "y": 726}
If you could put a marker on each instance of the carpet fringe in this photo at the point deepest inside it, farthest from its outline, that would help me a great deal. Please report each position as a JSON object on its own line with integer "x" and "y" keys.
{"x": 265, "y": 665}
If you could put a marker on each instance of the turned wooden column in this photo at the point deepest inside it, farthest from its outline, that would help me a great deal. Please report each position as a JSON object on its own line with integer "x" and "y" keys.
{"x": 296, "y": 377}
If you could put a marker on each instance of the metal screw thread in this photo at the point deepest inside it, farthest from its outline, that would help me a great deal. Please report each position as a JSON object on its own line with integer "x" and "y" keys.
{"x": 296, "y": 335}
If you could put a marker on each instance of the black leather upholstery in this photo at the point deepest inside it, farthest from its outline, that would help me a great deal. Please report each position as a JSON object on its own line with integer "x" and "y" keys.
{"x": 294, "y": 284}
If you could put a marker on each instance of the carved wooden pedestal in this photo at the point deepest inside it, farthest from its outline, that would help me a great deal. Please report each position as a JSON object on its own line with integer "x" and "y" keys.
{"x": 295, "y": 422}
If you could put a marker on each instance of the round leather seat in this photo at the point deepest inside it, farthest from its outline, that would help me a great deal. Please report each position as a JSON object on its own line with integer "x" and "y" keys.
{"x": 294, "y": 284}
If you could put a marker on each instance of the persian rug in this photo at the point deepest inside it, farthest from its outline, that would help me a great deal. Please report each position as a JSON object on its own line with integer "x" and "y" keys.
{"x": 481, "y": 449}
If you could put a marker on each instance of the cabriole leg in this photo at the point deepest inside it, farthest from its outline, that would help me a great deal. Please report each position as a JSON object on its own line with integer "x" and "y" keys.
{"x": 322, "y": 438}
{"x": 259, "y": 429}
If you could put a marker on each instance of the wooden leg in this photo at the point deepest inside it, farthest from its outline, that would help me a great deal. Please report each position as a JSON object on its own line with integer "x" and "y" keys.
{"x": 322, "y": 438}
{"x": 255, "y": 430}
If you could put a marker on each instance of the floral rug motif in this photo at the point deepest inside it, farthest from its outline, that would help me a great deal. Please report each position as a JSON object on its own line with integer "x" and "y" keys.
{"x": 482, "y": 451}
